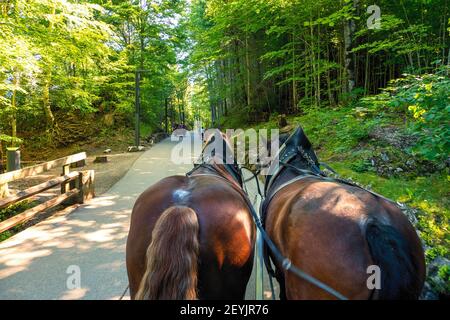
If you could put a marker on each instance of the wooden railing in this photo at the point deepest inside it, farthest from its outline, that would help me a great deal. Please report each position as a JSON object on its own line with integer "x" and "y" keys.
{"x": 76, "y": 186}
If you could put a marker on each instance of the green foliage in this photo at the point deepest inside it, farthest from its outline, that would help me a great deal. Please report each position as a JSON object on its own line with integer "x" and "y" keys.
{"x": 360, "y": 166}
{"x": 444, "y": 274}
{"x": 65, "y": 57}
{"x": 285, "y": 56}
{"x": 10, "y": 140}
{"x": 341, "y": 137}
{"x": 425, "y": 102}
{"x": 11, "y": 211}
{"x": 344, "y": 124}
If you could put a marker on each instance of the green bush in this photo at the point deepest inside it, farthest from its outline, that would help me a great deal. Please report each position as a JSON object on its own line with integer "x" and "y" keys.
{"x": 425, "y": 103}
{"x": 14, "y": 209}
{"x": 11, "y": 211}
{"x": 10, "y": 140}
{"x": 362, "y": 165}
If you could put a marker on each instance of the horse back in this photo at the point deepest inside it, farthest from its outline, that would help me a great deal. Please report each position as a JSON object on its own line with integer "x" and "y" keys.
{"x": 321, "y": 226}
{"x": 226, "y": 231}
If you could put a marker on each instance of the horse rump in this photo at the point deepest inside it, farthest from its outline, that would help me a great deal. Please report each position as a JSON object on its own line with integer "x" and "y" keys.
{"x": 172, "y": 257}
{"x": 392, "y": 253}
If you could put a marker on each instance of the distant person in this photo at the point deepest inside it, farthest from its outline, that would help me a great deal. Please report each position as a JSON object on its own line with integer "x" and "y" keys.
{"x": 202, "y": 131}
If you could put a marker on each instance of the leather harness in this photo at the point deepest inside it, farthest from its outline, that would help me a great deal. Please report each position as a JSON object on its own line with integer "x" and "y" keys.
{"x": 297, "y": 144}
{"x": 235, "y": 172}
{"x": 231, "y": 168}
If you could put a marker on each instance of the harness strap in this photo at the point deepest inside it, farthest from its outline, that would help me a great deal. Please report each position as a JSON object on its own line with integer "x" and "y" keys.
{"x": 266, "y": 252}
{"x": 255, "y": 176}
{"x": 321, "y": 176}
{"x": 264, "y": 205}
{"x": 285, "y": 262}
{"x": 234, "y": 175}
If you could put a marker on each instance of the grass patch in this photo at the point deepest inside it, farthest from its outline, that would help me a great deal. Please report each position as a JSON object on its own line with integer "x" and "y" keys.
{"x": 146, "y": 129}
{"x": 10, "y": 212}
{"x": 341, "y": 138}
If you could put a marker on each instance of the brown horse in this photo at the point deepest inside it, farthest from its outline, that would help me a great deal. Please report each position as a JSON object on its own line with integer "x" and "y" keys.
{"x": 334, "y": 231}
{"x": 192, "y": 237}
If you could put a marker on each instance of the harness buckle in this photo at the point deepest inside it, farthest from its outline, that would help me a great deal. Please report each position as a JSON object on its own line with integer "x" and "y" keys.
{"x": 287, "y": 264}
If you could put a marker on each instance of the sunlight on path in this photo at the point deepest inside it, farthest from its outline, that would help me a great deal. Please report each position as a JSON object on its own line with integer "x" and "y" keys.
{"x": 34, "y": 263}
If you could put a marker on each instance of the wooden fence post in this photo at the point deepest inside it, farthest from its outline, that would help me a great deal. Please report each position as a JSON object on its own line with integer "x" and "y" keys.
{"x": 65, "y": 171}
{"x": 80, "y": 188}
{"x": 76, "y": 187}
{"x": 86, "y": 185}
{"x": 4, "y": 190}
{"x": 89, "y": 186}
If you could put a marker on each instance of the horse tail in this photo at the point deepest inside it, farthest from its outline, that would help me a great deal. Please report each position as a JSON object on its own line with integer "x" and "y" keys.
{"x": 392, "y": 254}
{"x": 172, "y": 257}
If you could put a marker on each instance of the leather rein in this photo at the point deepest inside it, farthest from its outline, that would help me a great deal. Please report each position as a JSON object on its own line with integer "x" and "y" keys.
{"x": 284, "y": 261}
{"x": 302, "y": 174}
{"x": 235, "y": 172}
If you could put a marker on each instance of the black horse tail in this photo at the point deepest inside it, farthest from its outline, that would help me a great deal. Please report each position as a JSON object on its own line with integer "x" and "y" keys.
{"x": 392, "y": 253}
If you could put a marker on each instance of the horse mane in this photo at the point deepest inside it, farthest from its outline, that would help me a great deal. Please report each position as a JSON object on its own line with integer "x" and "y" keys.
{"x": 172, "y": 257}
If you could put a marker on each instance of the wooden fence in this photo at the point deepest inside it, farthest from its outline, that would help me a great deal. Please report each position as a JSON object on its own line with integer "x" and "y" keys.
{"x": 76, "y": 187}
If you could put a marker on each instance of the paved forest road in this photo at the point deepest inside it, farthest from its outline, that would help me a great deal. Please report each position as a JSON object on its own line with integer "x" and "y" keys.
{"x": 41, "y": 262}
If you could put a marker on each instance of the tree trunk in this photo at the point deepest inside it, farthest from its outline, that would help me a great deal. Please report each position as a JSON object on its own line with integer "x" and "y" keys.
{"x": 329, "y": 90}
{"x": 211, "y": 97}
{"x": 294, "y": 83}
{"x": 349, "y": 31}
{"x": 318, "y": 66}
{"x": 247, "y": 61}
{"x": 312, "y": 59}
{"x": 14, "y": 107}
{"x": 225, "y": 105}
{"x": 366, "y": 75}
{"x": 50, "y": 118}
{"x": 448, "y": 62}
{"x": 166, "y": 121}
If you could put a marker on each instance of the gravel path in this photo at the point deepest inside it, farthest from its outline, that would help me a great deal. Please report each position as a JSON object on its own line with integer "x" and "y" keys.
{"x": 43, "y": 261}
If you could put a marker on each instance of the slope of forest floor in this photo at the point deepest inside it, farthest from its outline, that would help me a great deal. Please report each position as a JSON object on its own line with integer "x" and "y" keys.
{"x": 116, "y": 139}
{"x": 374, "y": 150}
